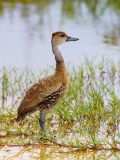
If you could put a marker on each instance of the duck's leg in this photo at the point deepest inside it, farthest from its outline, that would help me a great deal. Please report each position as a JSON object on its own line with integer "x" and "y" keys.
{"x": 42, "y": 122}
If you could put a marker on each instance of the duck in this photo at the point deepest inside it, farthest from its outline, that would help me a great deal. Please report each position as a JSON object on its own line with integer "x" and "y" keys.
{"x": 47, "y": 92}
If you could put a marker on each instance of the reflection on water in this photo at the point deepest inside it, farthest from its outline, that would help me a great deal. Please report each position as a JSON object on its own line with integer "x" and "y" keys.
{"x": 52, "y": 152}
{"x": 26, "y": 27}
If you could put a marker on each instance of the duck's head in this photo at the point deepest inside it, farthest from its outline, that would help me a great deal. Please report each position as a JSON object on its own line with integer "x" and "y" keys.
{"x": 59, "y": 38}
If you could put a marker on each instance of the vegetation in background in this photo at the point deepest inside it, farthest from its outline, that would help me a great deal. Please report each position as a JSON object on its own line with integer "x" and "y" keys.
{"x": 87, "y": 116}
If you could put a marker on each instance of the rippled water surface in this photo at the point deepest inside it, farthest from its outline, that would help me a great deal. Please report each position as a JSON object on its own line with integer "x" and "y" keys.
{"x": 26, "y": 27}
{"x": 52, "y": 152}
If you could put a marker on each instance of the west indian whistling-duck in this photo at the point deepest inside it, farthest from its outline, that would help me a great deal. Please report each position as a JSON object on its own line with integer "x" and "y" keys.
{"x": 47, "y": 92}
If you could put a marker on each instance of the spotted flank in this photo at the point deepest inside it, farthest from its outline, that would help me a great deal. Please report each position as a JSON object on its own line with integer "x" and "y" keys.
{"x": 47, "y": 103}
{"x": 51, "y": 100}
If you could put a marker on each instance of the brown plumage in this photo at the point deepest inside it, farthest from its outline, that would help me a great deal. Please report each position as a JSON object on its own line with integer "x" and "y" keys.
{"x": 47, "y": 92}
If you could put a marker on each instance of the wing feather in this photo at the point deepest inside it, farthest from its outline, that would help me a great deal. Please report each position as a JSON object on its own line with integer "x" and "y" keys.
{"x": 37, "y": 93}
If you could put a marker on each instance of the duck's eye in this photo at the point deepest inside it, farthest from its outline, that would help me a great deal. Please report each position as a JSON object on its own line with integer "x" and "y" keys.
{"x": 62, "y": 35}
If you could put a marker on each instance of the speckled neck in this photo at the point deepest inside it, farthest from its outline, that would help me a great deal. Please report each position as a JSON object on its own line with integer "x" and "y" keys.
{"x": 57, "y": 53}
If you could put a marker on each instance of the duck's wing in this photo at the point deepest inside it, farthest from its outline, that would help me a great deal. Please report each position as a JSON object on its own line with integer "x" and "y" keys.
{"x": 37, "y": 93}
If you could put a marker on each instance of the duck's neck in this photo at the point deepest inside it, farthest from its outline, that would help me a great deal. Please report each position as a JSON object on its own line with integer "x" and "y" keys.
{"x": 60, "y": 65}
{"x": 57, "y": 53}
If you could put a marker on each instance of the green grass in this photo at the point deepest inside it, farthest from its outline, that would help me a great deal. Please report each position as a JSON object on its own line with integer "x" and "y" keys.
{"x": 87, "y": 117}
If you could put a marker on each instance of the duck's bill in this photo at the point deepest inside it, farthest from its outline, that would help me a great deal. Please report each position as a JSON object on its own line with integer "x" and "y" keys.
{"x": 71, "y": 39}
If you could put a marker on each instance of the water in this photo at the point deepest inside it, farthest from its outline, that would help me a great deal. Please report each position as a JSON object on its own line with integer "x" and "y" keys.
{"x": 26, "y": 28}
{"x": 51, "y": 152}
